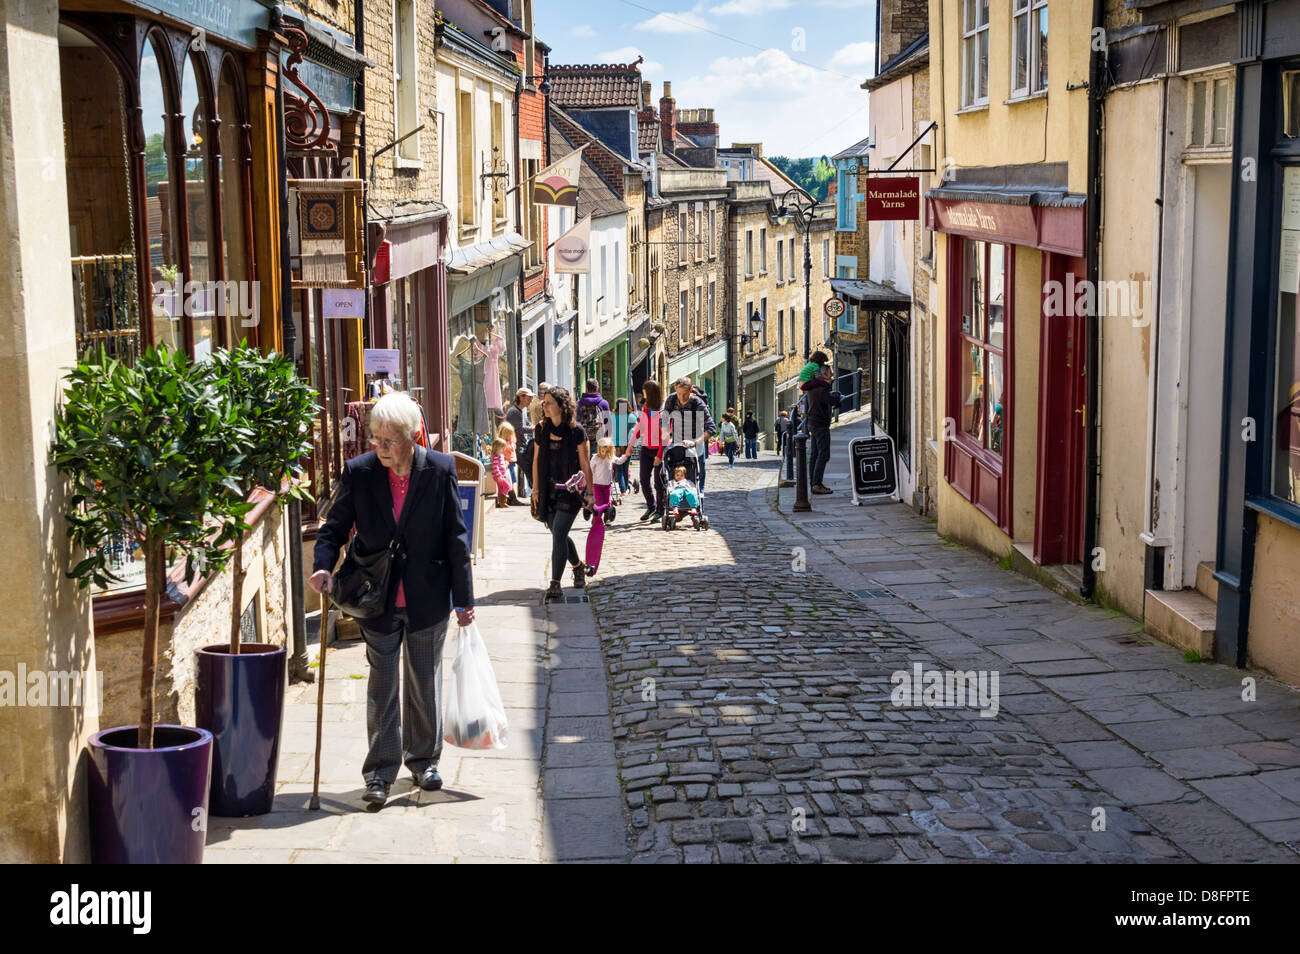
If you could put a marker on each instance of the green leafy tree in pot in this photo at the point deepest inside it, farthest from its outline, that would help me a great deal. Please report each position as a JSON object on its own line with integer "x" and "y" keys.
{"x": 157, "y": 448}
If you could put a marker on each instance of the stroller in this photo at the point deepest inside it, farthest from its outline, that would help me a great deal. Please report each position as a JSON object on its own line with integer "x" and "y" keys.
{"x": 677, "y": 455}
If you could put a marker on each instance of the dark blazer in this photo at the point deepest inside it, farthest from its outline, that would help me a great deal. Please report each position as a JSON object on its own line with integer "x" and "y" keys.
{"x": 436, "y": 573}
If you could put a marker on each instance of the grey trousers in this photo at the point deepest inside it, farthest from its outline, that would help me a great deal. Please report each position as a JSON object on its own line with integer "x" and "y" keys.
{"x": 417, "y": 739}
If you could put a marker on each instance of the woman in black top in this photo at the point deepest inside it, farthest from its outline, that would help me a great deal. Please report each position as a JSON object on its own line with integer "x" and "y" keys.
{"x": 561, "y": 451}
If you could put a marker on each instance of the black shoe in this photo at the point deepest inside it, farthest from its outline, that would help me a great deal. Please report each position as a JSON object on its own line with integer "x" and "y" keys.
{"x": 610, "y": 514}
{"x": 376, "y": 792}
{"x": 649, "y": 513}
{"x": 579, "y": 576}
{"x": 429, "y": 779}
{"x": 819, "y": 489}
{"x": 554, "y": 591}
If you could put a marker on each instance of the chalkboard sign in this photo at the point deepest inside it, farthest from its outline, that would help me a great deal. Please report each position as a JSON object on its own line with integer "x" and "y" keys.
{"x": 872, "y": 467}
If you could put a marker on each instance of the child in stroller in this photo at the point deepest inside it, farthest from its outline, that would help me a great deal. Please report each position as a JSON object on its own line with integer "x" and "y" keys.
{"x": 684, "y": 497}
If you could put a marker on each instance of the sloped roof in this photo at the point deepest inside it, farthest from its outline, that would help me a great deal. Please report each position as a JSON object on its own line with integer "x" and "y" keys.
{"x": 595, "y": 196}
{"x": 908, "y": 60}
{"x": 579, "y": 134}
{"x": 764, "y": 171}
{"x": 596, "y": 85}
{"x": 647, "y": 134}
{"x": 859, "y": 149}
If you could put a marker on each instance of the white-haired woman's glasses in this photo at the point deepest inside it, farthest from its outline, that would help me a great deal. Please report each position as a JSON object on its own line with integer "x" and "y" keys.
{"x": 387, "y": 444}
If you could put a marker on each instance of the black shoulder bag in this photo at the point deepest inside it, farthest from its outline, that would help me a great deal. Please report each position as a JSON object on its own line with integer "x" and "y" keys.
{"x": 362, "y": 583}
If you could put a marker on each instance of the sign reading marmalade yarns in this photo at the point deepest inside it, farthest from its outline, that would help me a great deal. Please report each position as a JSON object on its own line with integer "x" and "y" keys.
{"x": 557, "y": 184}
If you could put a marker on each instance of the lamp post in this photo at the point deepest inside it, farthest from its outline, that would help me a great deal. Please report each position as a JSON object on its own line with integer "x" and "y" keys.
{"x": 799, "y": 206}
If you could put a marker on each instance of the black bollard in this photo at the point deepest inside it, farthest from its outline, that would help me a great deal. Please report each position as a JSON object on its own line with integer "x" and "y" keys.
{"x": 801, "y": 503}
{"x": 788, "y": 463}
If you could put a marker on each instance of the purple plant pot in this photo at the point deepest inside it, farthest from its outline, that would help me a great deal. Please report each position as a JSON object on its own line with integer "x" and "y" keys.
{"x": 149, "y": 806}
{"x": 240, "y": 700}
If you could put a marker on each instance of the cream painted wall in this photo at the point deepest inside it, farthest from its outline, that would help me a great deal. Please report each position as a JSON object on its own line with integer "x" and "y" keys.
{"x": 1002, "y": 134}
{"x": 46, "y": 620}
{"x": 1028, "y": 333}
{"x": 1274, "y": 641}
{"x": 1127, "y": 255}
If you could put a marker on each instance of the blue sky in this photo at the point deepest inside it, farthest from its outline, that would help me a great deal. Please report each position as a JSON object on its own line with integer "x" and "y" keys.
{"x": 782, "y": 72}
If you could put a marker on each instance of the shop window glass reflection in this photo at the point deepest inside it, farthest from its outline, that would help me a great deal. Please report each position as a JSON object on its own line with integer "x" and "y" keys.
{"x": 228, "y": 171}
{"x": 167, "y": 305}
{"x": 1286, "y": 419}
{"x": 981, "y": 340}
{"x": 200, "y": 305}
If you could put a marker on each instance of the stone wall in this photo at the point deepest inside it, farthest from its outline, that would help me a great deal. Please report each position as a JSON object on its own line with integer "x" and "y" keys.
{"x": 204, "y": 621}
{"x": 390, "y": 182}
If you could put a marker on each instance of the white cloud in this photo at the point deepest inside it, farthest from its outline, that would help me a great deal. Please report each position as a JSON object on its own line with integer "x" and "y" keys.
{"x": 582, "y": 30}
{"x": 750, "y": 7}
{"x": 854, "y": 59}
{"x": 628, "y": 54}
{"x": 792, "y": 108}
{"x": 684, "y": 22}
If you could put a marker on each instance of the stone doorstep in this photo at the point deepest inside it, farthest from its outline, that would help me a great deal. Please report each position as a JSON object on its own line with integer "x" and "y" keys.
{"x": 1182, "y": 618}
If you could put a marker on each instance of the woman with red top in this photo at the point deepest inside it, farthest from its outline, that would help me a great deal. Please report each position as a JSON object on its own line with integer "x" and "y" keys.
{"x": 373, "y": 493}
{"x": 649, "y": 430}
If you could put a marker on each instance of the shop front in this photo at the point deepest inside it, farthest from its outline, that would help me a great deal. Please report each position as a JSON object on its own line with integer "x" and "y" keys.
{"x": 1013, "y": 469}
{"x": 609, "y": 367}
{"x": 483, "y": 336}
{"x": 1258, "y": 618}
{"x": 758, "y": 394}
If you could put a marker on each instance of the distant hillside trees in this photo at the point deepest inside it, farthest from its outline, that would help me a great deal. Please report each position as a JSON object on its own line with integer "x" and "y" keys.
{"x": 813, "y": 175}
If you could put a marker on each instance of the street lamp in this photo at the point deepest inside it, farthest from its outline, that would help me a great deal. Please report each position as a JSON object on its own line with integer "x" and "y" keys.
{"x": 799, "y": 206}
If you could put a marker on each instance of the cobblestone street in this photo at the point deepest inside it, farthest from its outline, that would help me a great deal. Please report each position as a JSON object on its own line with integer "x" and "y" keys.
{"x": 752, "y": 717}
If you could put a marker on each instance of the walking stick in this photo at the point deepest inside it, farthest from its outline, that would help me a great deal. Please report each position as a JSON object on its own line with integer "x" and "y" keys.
{"x": 320, "y": 702}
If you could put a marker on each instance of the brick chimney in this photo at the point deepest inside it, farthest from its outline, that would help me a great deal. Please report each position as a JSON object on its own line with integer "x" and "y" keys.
{"x": 668, "y": 117}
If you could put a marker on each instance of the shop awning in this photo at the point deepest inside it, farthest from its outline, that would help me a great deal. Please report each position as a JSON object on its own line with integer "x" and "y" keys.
{"x": 640, "y": 330}
{"x": 1017, "y": 205}
{"x": 871, "y": 296}
{"x": 474, "y": 270}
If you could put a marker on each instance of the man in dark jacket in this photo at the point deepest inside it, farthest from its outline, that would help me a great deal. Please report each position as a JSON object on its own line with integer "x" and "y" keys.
{"x": 820, "y": 400}
{"x": 750, "y": 430}
{"x": 431, "y": 576}
{"x": 687, "y": 416}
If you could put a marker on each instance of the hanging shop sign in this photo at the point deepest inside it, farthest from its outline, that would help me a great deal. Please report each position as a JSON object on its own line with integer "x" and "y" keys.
{"x": 557, "y": 184}
{"x": 573, "y": 249}
{"x": 383, "y": 361}
{"x": 872, "y": 468}
{"x": 893, "y": 198}
{"x": 834, "y": 307}
{"x": 343, "y": 303}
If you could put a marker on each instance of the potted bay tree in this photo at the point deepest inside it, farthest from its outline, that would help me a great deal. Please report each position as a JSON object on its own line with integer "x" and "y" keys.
{"x": 154, "y": 447}
{"x": 240, "y": 685}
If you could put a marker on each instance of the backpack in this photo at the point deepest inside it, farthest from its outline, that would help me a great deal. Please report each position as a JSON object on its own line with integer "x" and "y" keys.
{"x": 591, "y": 419}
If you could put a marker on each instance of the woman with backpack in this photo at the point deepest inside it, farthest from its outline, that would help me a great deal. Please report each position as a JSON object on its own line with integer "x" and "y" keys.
{"x": 593, "y": 415}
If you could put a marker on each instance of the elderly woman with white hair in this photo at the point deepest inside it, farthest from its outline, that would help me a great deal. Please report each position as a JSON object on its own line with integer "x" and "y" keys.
{"x": 399, "y": 479}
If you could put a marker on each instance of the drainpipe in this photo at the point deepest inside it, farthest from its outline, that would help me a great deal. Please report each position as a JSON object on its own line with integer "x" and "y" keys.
{"x": 1092, "y": 226}
{"x": 519, "y": 224}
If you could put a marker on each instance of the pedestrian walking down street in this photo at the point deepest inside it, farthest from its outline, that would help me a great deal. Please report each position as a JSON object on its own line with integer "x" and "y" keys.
{"x": 501, "y": 471}
{"x": 561, "y": 453}
{"x": 730, "y": 437}
{"x": 783, "y": 429}
{"x": 593, "y": 415}
{"x": 750, "y": 430}
{"x": 622, "y": 424}
{"x": 375, "y": 491}
{"x": 687, "y": 421}
{"x": 649, "y": 430}
{"x": 519, "y": 418}
{"x": 817, "y": 389}
{"x": 507, "y": 433}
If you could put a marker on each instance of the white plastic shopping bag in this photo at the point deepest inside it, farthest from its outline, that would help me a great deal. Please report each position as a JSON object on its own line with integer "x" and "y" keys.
{"x": 475, "y": 716}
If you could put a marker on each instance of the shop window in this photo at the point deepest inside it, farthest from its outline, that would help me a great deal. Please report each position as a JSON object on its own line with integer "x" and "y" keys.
{"x": 404, "y": 78}
{"x": 161, "y": 206}
{"x": 498, "y": 155}
{"x": 200, "y": 308}
{"x": 1028, "y": 47}
{"x": 465, "y": 159}
{"x": 975, "y": 52}
{"x": 1210, "y": 122}
{"x": 228, "y": 172}
{"x": 681, "y": 238}
{"x": 711, "y": 288}
{"x": 981, "y": 344}
{"x": 749, "y": 254}
{"x": 1285, "y": 481}
{"x": 681, "y": 318}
